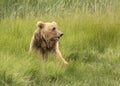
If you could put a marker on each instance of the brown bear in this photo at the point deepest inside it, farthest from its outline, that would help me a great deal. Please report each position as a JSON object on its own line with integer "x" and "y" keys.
{"x": 45, "y": 40}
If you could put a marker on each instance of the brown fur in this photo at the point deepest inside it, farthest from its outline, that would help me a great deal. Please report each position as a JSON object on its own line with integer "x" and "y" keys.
{"x": 45, "y": 40}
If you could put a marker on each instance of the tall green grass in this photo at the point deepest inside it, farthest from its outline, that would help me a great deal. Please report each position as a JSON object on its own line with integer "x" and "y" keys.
{"x": 91, "y": 43}
{"x": 30, "y": 8}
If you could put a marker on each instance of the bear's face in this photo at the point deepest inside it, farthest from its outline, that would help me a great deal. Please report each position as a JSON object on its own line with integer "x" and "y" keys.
{"x": 49, "y": 31}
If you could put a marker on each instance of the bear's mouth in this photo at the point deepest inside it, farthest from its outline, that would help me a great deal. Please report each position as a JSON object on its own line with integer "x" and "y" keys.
{"x": 55, "y": 38}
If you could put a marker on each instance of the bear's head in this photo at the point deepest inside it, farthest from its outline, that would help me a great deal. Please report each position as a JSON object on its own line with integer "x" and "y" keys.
{"x": 49, "y": 31}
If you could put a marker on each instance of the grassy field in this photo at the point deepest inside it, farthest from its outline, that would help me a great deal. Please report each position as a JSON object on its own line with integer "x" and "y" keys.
{"x": 91, "y": 43}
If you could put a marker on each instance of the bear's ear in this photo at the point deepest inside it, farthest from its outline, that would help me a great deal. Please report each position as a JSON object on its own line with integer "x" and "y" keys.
{"x": 54, "y": 22}
{"x": 40, "y": 24}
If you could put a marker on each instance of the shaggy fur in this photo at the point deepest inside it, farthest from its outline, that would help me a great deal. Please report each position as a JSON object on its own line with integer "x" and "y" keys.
{"x": 45, "y": 40}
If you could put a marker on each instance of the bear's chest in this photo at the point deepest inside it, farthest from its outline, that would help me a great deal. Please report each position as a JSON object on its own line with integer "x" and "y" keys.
{"x": 47, "y": 46}
{"x": 43, "y": 45}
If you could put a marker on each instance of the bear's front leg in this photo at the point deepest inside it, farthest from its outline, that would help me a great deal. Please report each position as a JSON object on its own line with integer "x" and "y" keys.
{"x": 59, "y": 55}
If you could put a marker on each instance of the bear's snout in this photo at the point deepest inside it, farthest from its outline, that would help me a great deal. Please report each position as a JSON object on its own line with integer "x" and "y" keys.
{"x": 61, "y": 34}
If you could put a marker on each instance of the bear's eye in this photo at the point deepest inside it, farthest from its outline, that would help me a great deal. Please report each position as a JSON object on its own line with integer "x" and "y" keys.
{"x": 53, "y": 28}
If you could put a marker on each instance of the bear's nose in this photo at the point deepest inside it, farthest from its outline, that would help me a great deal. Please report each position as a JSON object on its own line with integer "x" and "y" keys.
{"x": 61, "y": 34}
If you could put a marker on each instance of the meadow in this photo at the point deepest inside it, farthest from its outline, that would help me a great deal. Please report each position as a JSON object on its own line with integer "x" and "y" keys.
{"x": 91, "y": 43}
